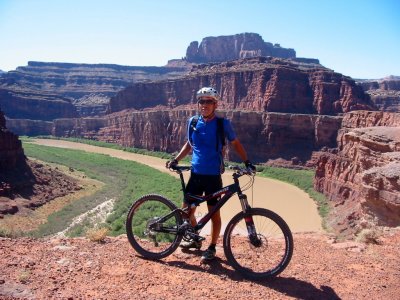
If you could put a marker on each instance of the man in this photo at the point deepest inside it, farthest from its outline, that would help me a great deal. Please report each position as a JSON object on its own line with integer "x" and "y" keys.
{"x": 207, "y": 158}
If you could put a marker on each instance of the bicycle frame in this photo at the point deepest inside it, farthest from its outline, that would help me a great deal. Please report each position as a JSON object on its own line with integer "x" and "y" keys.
{"x": 228, "y": 191}
{"x": 155, "y": 227}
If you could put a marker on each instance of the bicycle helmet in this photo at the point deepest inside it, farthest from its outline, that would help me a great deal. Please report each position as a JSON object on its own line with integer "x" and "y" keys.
{"x": 207, "y": 92}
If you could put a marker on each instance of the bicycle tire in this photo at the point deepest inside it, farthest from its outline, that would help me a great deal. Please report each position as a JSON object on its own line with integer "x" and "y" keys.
{"x": 263, "y": 261}
{"x": 144, "y": 240}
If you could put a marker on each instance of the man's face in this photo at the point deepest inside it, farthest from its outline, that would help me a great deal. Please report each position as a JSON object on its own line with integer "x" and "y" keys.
{"x": 207, "y": 106}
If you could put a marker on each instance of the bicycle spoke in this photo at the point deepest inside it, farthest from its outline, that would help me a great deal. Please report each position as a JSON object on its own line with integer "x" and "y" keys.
{"x": 266, "y": 257}
{"x": 151, "y": 238}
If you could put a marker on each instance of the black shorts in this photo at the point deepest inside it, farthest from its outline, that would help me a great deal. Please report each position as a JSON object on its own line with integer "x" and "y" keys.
{"x": 204, "y": 185}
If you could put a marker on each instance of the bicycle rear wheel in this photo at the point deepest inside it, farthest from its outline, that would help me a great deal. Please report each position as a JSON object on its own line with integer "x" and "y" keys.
{"x": 264, "y": 258}
{"x": 150, "y": 237}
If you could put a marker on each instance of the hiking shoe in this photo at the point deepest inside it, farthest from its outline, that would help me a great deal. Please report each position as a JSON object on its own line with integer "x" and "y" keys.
{"x": 208, "y": 255}
{"x": 192, "y": 244}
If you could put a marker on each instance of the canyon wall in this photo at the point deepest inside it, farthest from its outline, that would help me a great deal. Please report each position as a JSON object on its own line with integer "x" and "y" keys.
{"x": 385, "y": 92}
{"x": 87, "y": 86}
{"x": 259, "y": 84}
{"x": 362, "y": 178}
{"x": 35, "y": 106}
{"x": 11, "y": 157}
{"x": 264, "y": 135}
{"x": 11, "y": 152}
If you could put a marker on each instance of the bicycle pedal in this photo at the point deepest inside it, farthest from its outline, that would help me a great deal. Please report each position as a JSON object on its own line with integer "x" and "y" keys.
{"x": 196, "y": 237}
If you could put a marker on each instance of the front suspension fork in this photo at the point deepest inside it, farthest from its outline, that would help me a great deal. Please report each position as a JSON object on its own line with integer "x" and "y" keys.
{"x": 248, "y": 218}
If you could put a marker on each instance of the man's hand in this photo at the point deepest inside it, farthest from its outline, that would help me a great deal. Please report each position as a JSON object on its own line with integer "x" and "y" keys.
{"x": 249, "y": 165}
{"x": 171, "y": 163}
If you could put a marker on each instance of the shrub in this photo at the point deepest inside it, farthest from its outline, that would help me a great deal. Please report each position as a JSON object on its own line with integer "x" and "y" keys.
{"x": 97, "y": 234}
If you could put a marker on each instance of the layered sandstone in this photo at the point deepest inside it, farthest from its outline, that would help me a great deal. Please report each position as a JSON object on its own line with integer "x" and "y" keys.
{"x": 23, "y": 104}
{"x": 231, "y": 47}
{"x": 264, "y": 135}
{"x": 259, "y": 84}
{"x": 88, "y": 86}
{"x": 385, "y": 92}
{"x": 363, "y": 177}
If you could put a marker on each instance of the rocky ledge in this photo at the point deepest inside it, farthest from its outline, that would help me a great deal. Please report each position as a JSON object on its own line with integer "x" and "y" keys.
{"x": 363, "y": 178}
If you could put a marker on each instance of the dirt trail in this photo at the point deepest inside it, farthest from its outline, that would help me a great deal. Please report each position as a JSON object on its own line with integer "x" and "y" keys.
{"x": 291, "y": 203}
{"x": 79, "y": 269}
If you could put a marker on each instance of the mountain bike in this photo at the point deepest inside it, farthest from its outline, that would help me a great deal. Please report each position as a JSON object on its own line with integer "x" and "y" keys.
{"x": 257, "y": 242}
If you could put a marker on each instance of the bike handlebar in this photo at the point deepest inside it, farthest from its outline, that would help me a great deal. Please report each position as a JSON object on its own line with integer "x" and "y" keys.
{"x": 238, "y": 169}
{"x": 242, "y": 170}
{"x": 180, "y": 168}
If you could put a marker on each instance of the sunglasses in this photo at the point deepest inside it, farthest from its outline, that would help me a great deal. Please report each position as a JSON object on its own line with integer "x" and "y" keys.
{"x": 206, "y": 102}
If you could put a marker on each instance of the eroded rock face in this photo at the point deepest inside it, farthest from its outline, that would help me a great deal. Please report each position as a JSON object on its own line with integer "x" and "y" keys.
{"x": 11, "y": 152}
{"x": 35, "y": 105}
{"x": 86, "y": 86}
{"x": 385, "y": 92}
{"x": 264, "y": 135}
{"x": 231, "y": 47}
{"x": 257, "y": 84}
{"x": 363, "y": 177}
{"x": 24, "y": 183}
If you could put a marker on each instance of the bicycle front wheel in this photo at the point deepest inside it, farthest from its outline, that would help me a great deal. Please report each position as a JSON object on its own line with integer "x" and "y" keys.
{"x": 152, "y": 226}
{"x": 267, "y": 253}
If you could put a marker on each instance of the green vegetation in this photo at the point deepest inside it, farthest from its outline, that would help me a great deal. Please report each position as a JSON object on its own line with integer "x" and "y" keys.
{"x": 150, "y": 210}
{"x": 124, "y": 181}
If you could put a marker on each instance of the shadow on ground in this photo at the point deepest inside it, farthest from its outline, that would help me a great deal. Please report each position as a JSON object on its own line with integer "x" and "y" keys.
{"x": 286, "y": 285}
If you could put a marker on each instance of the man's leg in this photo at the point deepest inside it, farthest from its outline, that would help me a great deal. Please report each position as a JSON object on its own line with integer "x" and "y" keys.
{"x": 192, "y": 217}
{"x": 215, "y": 225}
{"x": 209, "y": 254}
{"x": 195, "y": 243}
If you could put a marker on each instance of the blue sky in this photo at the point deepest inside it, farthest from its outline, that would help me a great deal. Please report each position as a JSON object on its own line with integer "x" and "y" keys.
{"x": 358, "y": 38}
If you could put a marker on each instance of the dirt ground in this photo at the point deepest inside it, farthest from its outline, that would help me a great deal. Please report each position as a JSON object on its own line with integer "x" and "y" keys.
{"x": 80, "y": 269}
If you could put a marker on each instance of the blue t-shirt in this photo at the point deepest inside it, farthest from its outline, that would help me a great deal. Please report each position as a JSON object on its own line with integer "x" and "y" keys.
{"x": 206, "y": 160}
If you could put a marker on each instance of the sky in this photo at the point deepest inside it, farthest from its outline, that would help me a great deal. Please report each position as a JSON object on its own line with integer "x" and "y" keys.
{"x": 358, "y": 38}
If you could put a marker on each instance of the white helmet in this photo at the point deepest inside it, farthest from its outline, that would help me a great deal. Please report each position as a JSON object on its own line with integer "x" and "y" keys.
{"x": 207, "y": 92}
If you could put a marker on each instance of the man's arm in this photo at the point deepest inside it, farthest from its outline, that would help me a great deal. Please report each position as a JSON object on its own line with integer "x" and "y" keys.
{"x": 184, "y": 151}
{"x": 237, "y": 145}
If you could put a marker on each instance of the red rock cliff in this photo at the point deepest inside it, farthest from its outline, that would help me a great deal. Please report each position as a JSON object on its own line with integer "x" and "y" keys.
{"x": 258, "y": 84}
{"x": 230, "y": 47}
{"x": 363, "y": 177}
{"x": 265, "y": 135}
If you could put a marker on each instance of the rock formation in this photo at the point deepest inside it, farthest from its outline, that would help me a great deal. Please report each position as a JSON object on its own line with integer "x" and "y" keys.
{"x": 258, "y": 84}
{"x": 87, "y": 86}
{"x": 385, "y": 92}
{"x": 25, "y": 183}
{"x": 265, "y": 135}
{"x": 35, "y": 105}
{"x": 11, "y": 152}
{"x": 11, "y": 157}
{"x": 232, "y": 47}
{"x": 363, "y": 177}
